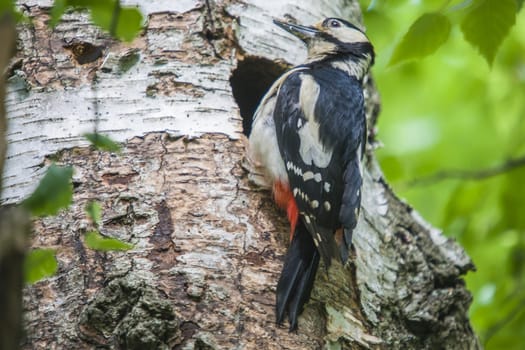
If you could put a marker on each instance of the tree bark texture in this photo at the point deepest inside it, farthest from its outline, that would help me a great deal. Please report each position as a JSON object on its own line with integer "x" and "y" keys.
{"x": 208, "y": 245}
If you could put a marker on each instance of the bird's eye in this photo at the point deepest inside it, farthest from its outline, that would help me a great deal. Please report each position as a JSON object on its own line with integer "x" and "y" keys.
{"x": 334, "y": 24}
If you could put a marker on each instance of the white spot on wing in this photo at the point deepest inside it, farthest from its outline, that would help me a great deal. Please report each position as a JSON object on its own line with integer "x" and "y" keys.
{"x": 327, "y": 206}
{"x": 327, "y": 186}
{"x": 292, "y": 167}
{"x": 319, "y": 237}
{"x": 308, "y": 176}
{"x": 307, "y": 219}
{"x": 314, "y": 204}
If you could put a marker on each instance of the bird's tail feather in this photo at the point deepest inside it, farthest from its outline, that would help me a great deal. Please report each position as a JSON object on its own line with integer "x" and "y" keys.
{"x": 297, "y": 277}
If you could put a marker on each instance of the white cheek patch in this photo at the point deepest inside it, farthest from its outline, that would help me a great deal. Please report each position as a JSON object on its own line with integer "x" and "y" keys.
{"x": 311, "y": 149}
{"x": 349, "y": 35}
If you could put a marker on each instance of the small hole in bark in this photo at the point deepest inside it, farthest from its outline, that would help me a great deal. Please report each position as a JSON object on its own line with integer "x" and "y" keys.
{"x": 84, "y": 52}
{"x": 250, "y": 81}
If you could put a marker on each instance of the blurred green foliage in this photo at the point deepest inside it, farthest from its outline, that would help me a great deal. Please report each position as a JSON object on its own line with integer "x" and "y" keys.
{"x": 39, "y": 263}
{"x": 122, "y": 22}
{"x": 94, "y": 212}
{"x": 453, "y": 128}
{"x": 8, "y": 7}
{"x": 94, "y": 240}
{"x": 102, "y": 142}
{"x": 54, "y": 192}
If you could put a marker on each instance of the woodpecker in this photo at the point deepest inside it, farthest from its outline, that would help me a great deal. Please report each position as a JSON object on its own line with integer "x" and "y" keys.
{"x": 309, "y": 136}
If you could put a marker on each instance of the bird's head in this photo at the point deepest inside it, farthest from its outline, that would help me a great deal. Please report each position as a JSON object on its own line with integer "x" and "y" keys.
{"x": 333, "y": 37}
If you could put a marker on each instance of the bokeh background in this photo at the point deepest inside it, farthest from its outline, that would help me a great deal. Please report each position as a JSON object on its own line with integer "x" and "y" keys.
{"x": 453, "y": 132}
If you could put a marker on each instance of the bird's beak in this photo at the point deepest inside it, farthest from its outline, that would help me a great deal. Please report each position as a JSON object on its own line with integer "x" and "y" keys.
{"x": 302, "y": 32}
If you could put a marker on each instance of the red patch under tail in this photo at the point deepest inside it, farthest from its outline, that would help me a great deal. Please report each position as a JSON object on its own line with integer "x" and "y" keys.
{"x": 285, "y": 200}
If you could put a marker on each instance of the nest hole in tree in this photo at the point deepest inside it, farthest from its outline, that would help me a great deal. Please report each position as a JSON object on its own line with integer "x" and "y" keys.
{"x": 250, "y": 80}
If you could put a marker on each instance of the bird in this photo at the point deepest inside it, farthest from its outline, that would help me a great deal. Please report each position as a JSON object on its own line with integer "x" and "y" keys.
{"x": 309, "y": 136}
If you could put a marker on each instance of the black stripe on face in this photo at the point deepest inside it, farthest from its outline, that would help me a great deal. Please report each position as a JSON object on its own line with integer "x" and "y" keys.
{"x": 360, "y": 49}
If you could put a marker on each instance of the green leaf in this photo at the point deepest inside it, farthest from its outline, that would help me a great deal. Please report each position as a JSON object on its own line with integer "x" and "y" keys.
{"x": 53, "y": 193}
{"x": 129, "y": 19}
{"x": 487, "y": 23}
{"x": 95, "y": 240}
{"x": 93, "y": 211}
{"x": 129, "y": 23}
{"x": 101, "y": 13}
{"x": 6, "y": 5}
{"x": 424, "y": 37}
{"x": 104, "y": 13}
{"x": 39, "y": 263}
{"x": 58, "y": 9}
{"x": 102, "y": 142}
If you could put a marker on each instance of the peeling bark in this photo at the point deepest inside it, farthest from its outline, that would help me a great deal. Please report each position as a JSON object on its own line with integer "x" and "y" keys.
{"x": 209, "y": 245}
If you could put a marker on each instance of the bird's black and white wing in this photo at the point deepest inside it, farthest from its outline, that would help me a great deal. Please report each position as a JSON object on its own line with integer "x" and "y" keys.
{"x": 320, "y": 125}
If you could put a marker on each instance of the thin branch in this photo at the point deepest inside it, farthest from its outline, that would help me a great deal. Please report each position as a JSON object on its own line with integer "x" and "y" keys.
{"x": 15, "y": 224}
{"x": 481, "y": 174}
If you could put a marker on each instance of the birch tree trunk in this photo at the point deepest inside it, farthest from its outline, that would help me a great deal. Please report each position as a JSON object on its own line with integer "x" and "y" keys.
{"x": 208, "y": 245}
